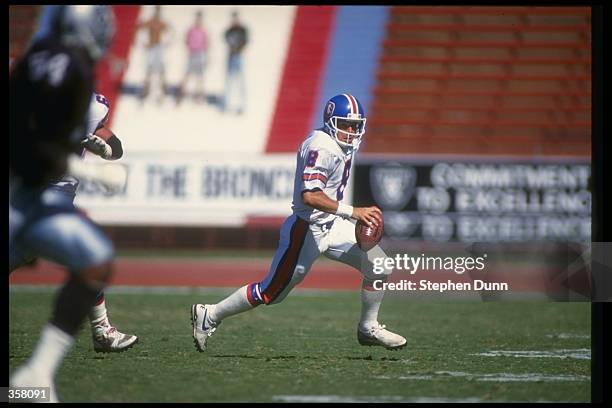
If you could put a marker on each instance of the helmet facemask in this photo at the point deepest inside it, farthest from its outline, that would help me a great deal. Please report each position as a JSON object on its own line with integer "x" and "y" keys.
{"x": 339, "y": 126}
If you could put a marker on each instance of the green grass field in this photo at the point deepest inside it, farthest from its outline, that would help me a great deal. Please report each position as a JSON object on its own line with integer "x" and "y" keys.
{"x": 305, "y": 349}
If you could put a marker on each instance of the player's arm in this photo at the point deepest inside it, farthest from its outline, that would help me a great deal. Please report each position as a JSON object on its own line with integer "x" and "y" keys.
{"x": 104, "y": 143}
{"x": 319, "y": 200}
{"x": 318, "y": 164}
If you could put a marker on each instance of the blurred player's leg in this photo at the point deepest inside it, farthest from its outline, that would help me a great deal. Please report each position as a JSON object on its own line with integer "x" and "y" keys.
{"x": 17, "y": 258}
{"x": 106, "y": 338}
{"x": 66, "y": 237}
{"x": 343, "y": 247}
{"x": 52, "y": 346}
{"x": 296, "y": 252}
{"x": 72, "y": 303}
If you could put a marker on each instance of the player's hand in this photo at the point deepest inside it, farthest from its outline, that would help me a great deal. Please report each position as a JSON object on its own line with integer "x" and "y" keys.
{"x": 97, "y": 145}
{"x": 368, "y": 215}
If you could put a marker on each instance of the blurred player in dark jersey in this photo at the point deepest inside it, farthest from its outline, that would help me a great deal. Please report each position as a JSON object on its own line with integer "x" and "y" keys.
{"x": 50, "y": 89}
{"x": 101, "y": 141}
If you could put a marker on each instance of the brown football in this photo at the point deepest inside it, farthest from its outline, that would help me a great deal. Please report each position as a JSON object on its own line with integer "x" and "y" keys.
{"x": 367, "y": 237}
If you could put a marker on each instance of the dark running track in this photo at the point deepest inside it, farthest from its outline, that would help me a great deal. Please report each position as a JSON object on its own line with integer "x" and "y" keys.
{"x": 236, "y": 273}
{"x": 204, "y": 273}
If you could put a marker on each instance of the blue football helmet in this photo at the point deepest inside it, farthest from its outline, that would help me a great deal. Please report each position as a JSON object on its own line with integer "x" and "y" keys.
{"x": 341, "y": 113}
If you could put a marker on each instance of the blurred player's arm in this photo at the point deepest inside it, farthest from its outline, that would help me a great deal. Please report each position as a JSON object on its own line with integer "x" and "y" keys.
{"x": 104, "y": 143}
{"x": 319, "y": 200}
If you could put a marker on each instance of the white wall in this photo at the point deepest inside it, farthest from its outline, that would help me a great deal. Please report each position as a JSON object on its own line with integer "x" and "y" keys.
{"x": 202, "y": 127}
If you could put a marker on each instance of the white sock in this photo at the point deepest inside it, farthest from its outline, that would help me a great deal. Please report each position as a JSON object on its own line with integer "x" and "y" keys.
{"x": 370, "y": 304}
{"x": 98, "y": 316}
{"x": 235, "y": 303}
{"x": 50, "y": 350}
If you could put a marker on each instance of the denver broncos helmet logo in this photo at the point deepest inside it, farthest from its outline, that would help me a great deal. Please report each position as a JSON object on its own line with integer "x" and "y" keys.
{"x": 329, "y": 109}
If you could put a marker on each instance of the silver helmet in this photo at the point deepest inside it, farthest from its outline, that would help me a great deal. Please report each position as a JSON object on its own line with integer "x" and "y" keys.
{"x": 89, "y": 26}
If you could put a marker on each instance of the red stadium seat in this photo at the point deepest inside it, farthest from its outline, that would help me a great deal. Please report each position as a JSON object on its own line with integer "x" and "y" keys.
{"x": 484, "y": 80}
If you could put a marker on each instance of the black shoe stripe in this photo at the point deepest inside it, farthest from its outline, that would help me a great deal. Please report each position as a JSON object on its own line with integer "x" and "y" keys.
{"x": 204, "y": 320}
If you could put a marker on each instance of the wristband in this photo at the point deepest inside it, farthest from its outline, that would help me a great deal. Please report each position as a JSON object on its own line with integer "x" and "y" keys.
{"x": 344, "y": 210}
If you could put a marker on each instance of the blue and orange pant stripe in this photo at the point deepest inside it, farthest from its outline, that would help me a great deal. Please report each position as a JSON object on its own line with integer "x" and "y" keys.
{"x": 256, "y": 293}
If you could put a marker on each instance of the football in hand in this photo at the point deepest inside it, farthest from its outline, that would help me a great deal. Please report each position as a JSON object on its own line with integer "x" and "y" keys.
{"x": 367, "y": 237}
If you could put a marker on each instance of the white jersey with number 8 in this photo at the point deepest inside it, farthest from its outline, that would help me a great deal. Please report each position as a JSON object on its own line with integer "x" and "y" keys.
{"x": 321, "y": 165}
{"x": 306, "y": 234}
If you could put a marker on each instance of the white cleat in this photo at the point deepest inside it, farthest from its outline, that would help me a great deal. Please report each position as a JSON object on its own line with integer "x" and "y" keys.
{"x": 380, "y": 336}
{"x": 203, "y": 327}
{"x": 107, "y": 339}
{"x": 24, "y": 376}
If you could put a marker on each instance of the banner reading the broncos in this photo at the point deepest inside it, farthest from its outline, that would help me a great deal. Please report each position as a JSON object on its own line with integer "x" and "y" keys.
{"x": 478, "y": 200}
{"x": 193, "y": 189}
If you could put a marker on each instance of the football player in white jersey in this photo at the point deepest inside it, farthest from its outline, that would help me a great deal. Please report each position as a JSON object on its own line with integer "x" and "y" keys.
{"x": 101, "y": 141}
{"x": 320, "y": 223}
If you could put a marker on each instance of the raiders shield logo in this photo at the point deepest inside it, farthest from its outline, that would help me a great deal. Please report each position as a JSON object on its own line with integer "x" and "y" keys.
{"x": 392, "y": 185}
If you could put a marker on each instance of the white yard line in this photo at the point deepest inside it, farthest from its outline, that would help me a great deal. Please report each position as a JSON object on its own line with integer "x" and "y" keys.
{"x": 568, "y": 336}
{"x": 578, "y": 354}
{"x": 490, "y": 377}
{"x": 380, "y": 398}
{"x": 373, "y": 398}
